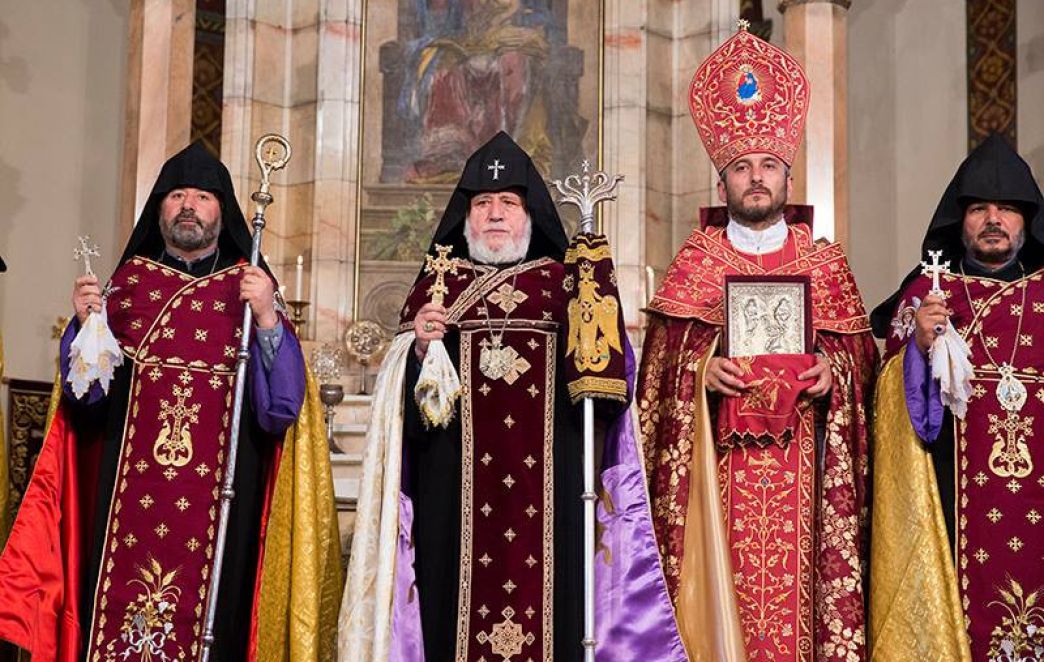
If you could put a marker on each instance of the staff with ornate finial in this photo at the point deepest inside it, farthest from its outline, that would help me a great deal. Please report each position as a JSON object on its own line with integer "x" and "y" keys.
{"x": 272, "y": 152}
{"x": 586, "y": 191}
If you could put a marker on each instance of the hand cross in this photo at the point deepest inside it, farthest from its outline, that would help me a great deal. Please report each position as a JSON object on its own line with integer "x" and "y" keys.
{"x": 85, "y": 252}
{"x": 440, "y": 266}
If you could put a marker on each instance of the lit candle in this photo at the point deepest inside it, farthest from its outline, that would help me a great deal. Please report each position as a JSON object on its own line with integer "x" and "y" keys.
{"x": 300, "y": 277}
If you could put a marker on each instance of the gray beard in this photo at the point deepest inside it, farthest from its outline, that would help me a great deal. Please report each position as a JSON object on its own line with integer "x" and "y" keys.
{"x": 192, "y": 237}
{"x": 513, "y": 251}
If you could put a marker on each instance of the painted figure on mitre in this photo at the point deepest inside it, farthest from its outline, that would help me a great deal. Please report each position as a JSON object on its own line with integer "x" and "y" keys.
{"x": 469, "y": 534}
{"x": 757, "y": 464}
{"x": 115, "y": 543}
{"x": 959, "y": 472}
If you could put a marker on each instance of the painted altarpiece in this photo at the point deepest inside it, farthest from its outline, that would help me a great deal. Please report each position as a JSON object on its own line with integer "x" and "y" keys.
{"x": 442, "y": 77}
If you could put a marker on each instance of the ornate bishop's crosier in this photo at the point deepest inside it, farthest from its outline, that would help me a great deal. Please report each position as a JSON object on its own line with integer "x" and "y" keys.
{"x": 586, "y": 191}
{"x": 272, "y": 152}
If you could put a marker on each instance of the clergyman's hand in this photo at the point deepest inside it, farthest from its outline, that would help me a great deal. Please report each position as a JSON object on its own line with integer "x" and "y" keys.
{"x": 933, "y": 312}
{"x": 723, "y": 376}
{"x": 86, "y": 297}
{"x": 429, "y": 324}
{"x": 257, "y": 289}
{"x": 821, "y": 373}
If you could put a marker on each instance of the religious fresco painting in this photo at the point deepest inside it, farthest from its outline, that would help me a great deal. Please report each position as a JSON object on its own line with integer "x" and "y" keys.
{"x": 441, "y": 78}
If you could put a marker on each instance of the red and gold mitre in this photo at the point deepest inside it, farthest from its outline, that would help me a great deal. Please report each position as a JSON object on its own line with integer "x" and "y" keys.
{"x": 749, "y": 96}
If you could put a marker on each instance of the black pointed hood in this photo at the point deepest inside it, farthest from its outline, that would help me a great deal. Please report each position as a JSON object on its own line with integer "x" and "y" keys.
{"x": 3, "y": 265}
{"x": 993, "y": 171}
{"x": 192, "y": 167}
{"x": 499, "y": 165}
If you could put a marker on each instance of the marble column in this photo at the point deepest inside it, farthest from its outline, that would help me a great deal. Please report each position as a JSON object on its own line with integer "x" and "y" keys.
{"x": 652, "y": 50}
{"x": 293, "y": 67}
{"x": 158, "y": 113}
{"x": 815, "y": 32}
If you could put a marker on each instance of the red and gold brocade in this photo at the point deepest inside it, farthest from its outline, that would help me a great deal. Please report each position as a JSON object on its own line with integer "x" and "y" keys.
{"x": 158, "y": 550}
{"x": 999, "y": 469}
{"x": 161, "y": 525}
{"x": 826, "y": 501}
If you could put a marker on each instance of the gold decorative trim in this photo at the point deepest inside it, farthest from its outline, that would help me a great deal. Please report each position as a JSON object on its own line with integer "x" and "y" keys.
{"x": 467, "y": 478}
{"x": 134, "y": 388}
{"x": 597, "y": 387}
{"x": 549, "y": 497}
{"x": 585, "y": 252}
{"x": 471, "y": 295}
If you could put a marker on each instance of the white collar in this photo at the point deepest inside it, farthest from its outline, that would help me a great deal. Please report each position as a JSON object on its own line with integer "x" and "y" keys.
{"x": 757, "y": 242}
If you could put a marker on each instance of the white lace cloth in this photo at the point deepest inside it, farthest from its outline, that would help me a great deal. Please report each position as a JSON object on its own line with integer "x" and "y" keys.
{"x": 950, "y": 365}
{"x": 94, "y": 355}
{"x": 438, "y": 386}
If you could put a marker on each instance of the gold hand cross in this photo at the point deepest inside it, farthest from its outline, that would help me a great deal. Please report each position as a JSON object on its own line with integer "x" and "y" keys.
{"x": 440, "y": 266}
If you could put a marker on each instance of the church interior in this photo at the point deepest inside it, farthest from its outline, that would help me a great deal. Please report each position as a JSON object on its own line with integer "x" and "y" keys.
{"x": 96, "y": 94}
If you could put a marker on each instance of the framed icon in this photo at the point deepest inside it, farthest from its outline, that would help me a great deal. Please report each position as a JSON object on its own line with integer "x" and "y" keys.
{"x": 767, "y": 315}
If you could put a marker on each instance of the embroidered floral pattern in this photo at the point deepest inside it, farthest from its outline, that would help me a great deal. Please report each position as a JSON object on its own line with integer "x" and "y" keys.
{"x": 147, "y": 631}
{"x": 1020, "y": 634}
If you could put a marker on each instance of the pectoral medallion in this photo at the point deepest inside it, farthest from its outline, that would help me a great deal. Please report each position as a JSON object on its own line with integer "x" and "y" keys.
{"x": 494, "y": 360}
{"x": 1011, "y": 393}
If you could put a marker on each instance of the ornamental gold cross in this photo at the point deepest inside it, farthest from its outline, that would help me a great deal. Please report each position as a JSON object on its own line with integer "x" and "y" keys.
{"x": 85, "y": 252}
{"x": 935, "y": 269}
{"x": 440, "y": 266}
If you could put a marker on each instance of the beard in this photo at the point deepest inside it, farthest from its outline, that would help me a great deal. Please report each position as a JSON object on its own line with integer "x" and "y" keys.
{"x": 755, "y": 213}
{"x": 512, "y": 251}
{"x": 990, "y": 254}
{"x": 189, "y": 236}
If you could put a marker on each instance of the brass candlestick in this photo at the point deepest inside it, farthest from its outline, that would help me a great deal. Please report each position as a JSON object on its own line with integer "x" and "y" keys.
{"x": 297, "y": 317}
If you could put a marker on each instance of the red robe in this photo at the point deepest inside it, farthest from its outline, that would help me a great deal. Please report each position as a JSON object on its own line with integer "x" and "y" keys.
{"x": 795, "y": 522}
{"x": 43, "y": 567}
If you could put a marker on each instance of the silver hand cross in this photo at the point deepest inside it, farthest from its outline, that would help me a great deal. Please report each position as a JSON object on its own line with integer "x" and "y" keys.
{"x": 85, "y": 252}
{"x": 934, "y": 270}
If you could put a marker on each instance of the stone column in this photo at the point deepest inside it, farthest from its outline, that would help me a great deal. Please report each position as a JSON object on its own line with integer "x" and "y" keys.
{"x": 159, "y": 96}
{"x": 293, "y": 67}
{"x": 815, "y": 32}
{"x": 652, "y": 50}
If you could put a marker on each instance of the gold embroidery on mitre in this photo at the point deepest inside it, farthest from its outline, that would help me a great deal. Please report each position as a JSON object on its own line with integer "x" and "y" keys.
{"x": 173, "y": 446}
{"x": 592, "y": 324}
